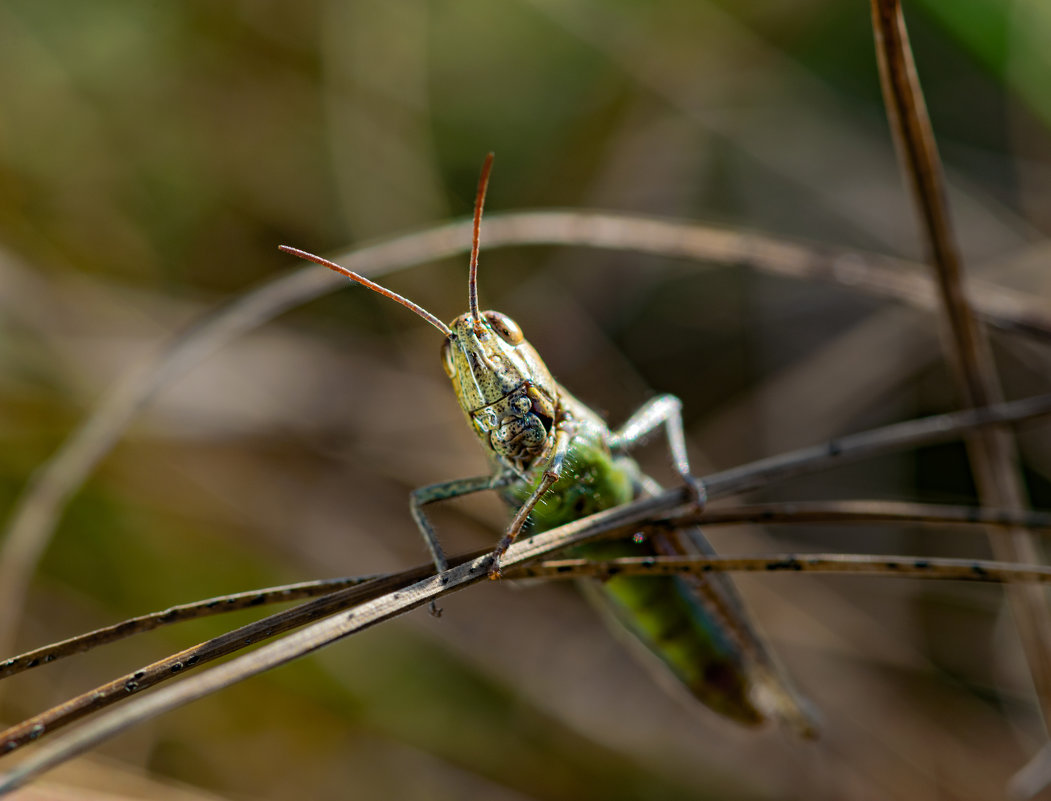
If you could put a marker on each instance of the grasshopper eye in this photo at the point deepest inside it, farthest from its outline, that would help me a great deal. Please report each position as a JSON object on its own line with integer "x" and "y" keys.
{"x": 447, "y": 358}
{"x": 505, "y": 328}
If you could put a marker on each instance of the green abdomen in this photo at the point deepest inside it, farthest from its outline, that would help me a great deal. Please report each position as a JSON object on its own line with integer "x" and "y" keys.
{"x": 664, "y": 614}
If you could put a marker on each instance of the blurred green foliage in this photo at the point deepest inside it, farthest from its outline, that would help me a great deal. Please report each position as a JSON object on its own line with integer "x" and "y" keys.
{"x": 152, "y": 157}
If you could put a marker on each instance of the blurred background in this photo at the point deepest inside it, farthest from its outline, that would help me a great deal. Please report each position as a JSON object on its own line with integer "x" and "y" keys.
{"x": 152, "y": 157}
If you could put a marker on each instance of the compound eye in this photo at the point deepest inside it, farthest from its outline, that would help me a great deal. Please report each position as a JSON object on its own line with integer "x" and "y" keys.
{"x": 447, "y": 358}
{"x": 505, "y": 328}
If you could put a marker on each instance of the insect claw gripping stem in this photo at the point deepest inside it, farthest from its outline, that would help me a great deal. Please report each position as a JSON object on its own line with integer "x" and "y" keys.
{"x": 698, "y": 492}
{"x": 494, "y": 566}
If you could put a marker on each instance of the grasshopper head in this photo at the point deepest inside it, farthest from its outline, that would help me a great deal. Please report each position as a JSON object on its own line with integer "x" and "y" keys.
{"x": 502, "y": 385}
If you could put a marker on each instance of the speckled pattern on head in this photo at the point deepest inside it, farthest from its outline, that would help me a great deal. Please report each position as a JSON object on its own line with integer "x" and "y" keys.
{"x": 503, "y": 387}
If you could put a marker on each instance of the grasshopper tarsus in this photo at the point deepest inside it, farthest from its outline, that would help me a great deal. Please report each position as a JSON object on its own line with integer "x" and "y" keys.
{"x": 498, "y": 552}
{"x": 698, "y": 492}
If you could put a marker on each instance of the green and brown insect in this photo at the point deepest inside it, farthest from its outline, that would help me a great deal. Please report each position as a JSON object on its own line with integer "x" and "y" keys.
{"x": 555, "y": 460}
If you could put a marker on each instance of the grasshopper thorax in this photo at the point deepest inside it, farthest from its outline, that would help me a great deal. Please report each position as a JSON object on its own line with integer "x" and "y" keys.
{"x": 503, "y": 387}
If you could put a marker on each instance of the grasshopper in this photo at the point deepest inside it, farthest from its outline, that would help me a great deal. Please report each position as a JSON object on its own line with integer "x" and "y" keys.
{"x": 555, "y": 460}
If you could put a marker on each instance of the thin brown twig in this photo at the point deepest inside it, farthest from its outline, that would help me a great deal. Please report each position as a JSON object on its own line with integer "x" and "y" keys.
{"x": 794, "y": 513}
{"x": 930, "y": 568}
{"x": 189, "y": 658}
{"x": 939, "y": 568}
{"x": 620, "y": 520}
{"x": 863, "y": 511}
{"x": 322, "y": 633}
{"x": 37, "y": 511}
{"x": 174, "y": 614}
{"x": 427, "y": 590}
{"x": 865, "y": 444}
{"x": 993, "y": 453}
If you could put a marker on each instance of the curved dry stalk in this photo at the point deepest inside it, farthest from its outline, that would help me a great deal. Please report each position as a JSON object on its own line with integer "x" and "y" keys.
{"x": 863, "y": 511}
{"x": 218, "y": 605}
{"x": 791, "y": 513}
{"x": 195, "y": 656}
{"x": 48, "y": 491}
{"x": 317, "y": 635}
{"x": 39, "y": 508}
{"x": 933, "y": 568}
{"x": 877, "y": 441}
{"x": 882, "y": 276}
{"x": 993, "y": 453}
{"x": 618, "y": 519}
{"x": 401, "y": 601}
{"x": 939, "y": 568}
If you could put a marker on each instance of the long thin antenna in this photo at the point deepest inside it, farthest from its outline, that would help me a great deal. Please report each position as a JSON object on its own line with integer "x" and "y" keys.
{"x": 479, "y": 201}
{"x": 408, "y": 304}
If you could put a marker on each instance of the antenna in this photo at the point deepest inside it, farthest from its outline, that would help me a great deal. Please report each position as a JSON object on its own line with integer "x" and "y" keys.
{"x": 408, "y": 304}
{"x": 479, "y": 201}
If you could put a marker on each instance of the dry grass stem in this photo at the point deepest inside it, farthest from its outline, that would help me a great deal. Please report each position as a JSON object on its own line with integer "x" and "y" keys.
{"x": 426, "y": 590}
{"x": 993, "y": 453}
{"x": 937, "y": 568}
{"x": 37, "y": 511}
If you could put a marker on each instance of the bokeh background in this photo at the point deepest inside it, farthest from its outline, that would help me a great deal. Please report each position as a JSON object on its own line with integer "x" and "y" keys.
{"x": 152, "y": 157}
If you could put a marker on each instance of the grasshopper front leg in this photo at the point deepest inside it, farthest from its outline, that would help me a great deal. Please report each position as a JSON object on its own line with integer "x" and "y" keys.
{"x": 444, "y": 491}
{"x": 564, "y": 433}
{"x": 663, "y": 410}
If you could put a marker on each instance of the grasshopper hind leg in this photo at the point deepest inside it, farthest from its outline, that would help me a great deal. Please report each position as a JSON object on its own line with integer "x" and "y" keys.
{"x": 773, "y": 692}
{"x": 663, "y": 410}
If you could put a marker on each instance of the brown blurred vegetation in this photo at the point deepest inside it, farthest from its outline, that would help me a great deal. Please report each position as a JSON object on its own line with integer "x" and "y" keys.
{"x": 152, "y": 157}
